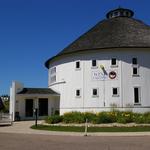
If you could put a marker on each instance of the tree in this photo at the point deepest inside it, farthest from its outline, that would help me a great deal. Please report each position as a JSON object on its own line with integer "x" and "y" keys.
{"x": 1, "y": 104}
{"x": 4, "y": 103}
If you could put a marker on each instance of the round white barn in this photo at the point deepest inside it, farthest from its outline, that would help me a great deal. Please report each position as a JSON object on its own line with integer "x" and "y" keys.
{"x": 107, "y": 67}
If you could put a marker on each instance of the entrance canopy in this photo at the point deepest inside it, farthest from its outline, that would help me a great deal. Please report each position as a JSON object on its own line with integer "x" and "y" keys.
{"x": 38, "y": 91}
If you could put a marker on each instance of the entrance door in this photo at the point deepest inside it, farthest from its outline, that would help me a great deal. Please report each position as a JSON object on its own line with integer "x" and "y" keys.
{"x": 43, "y": 106}
{"x": 29, "y": 107}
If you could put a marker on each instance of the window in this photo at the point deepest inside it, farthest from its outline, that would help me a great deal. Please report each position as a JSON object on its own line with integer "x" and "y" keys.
{"x": 121, "y": 13}
{"x": 94, "y": 63}
{"x": 115, "y": 13}
{"x": 78, "y": 93}
{"x": 53, "y": 79}
{"x": 77, "y": 64}
{"x": 135, "y": 71}
{"x": 53, "y": 75}
{"x": 115, "y": 91}
{"x": 127, "y": 13}
{"x": 134, "y": 61}
{"x": 53, "y": 70}
{"x": 136, "y": 95}
{"x": 135, "y": 67}
{"x": 113, "y": 62}
{"x": 95, "y": 92}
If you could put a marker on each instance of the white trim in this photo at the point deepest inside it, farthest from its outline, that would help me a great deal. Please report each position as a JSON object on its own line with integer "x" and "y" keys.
{"x": 59, "y": 82}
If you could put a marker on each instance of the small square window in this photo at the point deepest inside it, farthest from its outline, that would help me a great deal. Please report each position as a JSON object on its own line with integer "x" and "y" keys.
{"x": 134, "y": 61}
{"x": 135, "y": 72}
{"x": 116, "y": 13}
{"x": 115, "y": 91}
{"x": 78, "y": 93}
{"x": 94, "y": 63}
{"x": 77, "y": 64}
{"x": 95, "y": 92}
{"x": 113, "y": 62}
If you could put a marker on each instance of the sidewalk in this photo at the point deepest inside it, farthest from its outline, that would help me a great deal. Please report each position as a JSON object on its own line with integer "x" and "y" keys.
{"x": 23, "y": 127}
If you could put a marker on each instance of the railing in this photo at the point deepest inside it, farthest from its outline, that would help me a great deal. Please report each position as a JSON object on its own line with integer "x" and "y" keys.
{"x": 5, "y": 118}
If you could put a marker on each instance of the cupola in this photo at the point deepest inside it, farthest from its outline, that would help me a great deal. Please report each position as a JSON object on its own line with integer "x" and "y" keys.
{"x": 120, "y": 12}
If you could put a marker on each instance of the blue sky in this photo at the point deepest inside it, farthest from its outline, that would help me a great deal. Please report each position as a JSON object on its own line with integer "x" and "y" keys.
{"x": 31, "y": 31}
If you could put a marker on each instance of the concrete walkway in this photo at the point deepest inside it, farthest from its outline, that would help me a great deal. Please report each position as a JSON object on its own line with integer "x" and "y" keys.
{"x": 24, "y": 128}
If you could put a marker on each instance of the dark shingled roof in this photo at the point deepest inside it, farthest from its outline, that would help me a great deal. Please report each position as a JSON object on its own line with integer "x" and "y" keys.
{"x": 37, "y": 91}
{"x": 117, "y": 32}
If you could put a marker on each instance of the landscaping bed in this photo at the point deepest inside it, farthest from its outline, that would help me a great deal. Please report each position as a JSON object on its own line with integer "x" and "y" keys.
{"x": 100, "y": 118}
{"x": 114, "y": 121}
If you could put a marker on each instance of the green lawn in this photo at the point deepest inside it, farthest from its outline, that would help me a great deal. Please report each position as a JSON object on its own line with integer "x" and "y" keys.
{"x": 92, "y": 129}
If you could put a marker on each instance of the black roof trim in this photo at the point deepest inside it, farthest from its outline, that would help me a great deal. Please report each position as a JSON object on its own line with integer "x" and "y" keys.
{"x": 38, "y": 91}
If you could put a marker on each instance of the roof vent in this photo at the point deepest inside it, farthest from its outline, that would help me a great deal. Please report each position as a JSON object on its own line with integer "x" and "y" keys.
{"x": 120, "y": 12}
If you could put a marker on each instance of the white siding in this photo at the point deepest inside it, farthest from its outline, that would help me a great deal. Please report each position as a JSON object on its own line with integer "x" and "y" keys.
{"x": 68, "y": 79}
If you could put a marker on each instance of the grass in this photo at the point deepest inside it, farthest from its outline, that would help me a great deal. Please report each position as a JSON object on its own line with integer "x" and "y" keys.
{"x": 92, "y": 129}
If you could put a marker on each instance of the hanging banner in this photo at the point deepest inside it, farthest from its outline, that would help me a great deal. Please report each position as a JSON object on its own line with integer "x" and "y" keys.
{"x": 98, "y": 75}
{"x": 107, "y": 75}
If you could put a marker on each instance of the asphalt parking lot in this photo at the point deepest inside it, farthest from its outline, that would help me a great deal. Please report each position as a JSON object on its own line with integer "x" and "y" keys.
{"x": 11, "y": 141}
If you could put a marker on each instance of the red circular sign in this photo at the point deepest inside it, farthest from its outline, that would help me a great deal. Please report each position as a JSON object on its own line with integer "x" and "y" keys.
{"x": 112, "y": 75}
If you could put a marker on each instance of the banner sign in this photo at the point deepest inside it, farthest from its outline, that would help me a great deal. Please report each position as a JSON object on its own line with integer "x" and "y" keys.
{"x": 100, "y": 75}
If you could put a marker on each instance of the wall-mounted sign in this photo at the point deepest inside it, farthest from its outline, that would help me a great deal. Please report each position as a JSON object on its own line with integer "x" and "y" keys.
{"x": 100, "y": 75}
{"x": 112, "y": 75}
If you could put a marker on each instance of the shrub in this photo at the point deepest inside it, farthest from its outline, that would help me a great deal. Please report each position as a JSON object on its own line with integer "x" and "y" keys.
{"x": 56, "y": 112}
{"x": 147, "y": 117}
{"x": 104, "y": 117}
{"x": 139, "y": 118}
{"x": 125, "y": 117}
{"x": 90, "y": 117}
{"x": 113, "y": 115}
{"x": 53, "y": 119}
{"x": 73, "y": 117}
